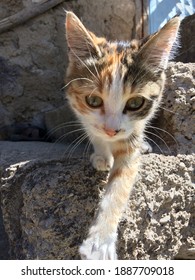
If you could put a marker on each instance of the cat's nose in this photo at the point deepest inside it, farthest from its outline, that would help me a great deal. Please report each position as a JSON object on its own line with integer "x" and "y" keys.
{"x": 111, "y": 132}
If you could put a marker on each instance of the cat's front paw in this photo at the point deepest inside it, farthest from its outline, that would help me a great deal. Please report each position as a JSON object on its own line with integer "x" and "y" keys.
{"x": 146, "y": 148}
{"x": 93, "y": 249}
{"x": 101, "y": 163}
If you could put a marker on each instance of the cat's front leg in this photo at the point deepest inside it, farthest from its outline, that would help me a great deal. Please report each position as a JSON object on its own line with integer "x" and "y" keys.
{"x": 101, "y": 159}
{"x": 100, "y": 243}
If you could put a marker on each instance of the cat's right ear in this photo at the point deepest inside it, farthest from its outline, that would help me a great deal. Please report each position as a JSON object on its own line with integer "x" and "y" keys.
{"x": 82, "y": 43}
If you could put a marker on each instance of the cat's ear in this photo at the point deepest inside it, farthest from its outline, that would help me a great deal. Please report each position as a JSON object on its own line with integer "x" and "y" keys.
{"x": 81, "y": 42}
{"x": 156, "y": 51}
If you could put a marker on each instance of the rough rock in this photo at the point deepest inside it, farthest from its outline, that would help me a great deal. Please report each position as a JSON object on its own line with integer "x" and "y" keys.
{"x": 112, "y": 19}
{"x": 160, "y": 218}
{"x": 4, "y": 244}
{"x": 14, "y": 152}
{"x": 178, "y": 108}
{"x": 32, "y": 68}
{"x": 49, "y": 205}
{"x": 186, "y": 51}
{"x": 9, "y": 7}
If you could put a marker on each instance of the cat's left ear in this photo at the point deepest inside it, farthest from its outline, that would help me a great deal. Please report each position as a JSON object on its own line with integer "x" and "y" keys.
{"x": 156, "y": 51}
{"x": 81, "y": 42}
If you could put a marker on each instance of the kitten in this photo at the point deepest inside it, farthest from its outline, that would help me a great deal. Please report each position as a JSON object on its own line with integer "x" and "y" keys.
{"x": 115, "y": 88}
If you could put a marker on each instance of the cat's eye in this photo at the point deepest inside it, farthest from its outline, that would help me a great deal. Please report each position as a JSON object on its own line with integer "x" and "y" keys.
{"x": 94, "y": 101}
{"x": 135, "y": 103}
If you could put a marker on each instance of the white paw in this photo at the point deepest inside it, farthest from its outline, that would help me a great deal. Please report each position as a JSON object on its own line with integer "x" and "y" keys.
{"x": 146, "y": 148}
{"x": 93, "y": 249}
{"x": 101, "y": 163}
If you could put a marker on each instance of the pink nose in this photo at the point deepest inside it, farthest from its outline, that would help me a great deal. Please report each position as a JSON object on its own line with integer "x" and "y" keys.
{"x": 110, "y": 132}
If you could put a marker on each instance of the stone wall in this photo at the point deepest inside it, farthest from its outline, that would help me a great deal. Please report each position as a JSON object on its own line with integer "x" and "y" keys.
{"x": 48, "y": 206}
{"x": 186, "y": 52}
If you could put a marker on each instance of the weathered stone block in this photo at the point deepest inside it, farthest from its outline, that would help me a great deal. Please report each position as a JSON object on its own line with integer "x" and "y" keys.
{"x": 49, "y": 205}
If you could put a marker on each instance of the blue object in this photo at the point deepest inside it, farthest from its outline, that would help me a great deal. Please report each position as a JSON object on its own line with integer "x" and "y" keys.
{"x": 161, "y": 11}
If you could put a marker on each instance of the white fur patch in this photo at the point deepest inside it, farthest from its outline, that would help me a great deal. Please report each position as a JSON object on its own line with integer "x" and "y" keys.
{"x": 114, "y": 102}
{"x": 95, "y": 248}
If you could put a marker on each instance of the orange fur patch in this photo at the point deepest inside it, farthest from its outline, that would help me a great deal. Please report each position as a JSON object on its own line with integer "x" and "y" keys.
{"x": 122, "y": 148}
{"x": 121, "y": 172}
{"x": 119, "y": 152}
{"x": 116, "y": 173}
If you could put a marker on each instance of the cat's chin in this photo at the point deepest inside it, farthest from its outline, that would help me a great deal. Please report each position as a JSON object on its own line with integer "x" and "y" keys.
{"x": 114, "y": 138}
{"x": 108, "y": 138}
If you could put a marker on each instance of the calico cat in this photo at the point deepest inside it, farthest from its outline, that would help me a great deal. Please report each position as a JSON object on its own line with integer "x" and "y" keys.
{"x": 115, "y": 89}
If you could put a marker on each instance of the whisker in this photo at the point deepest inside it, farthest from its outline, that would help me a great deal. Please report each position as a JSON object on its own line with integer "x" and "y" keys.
{"x": 76, "y": 145}
{"x": 62, "y": 137}
{"x": 76, "y": 79}
{"x": 86, "y": 150}
{"x": 82, "y": 62}
{"x": 87, "y": 86}
{"x": 154, "y": 127}
{"x": 154, "y": 143}
{"x": 63, "y": 125}
{"x": 127, "y": 146}
{"x": 92, "y": 91}
{"x": 60, "y": 126}
{"x": 98, "y": 75}
{"x": 168, "y": 110}
{"x": 133, "y": 140}
{"x": 161, "y": 140}
{"x": 75, "y": 140}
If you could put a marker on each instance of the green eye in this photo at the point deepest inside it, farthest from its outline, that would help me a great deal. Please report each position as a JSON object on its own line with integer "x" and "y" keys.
{"x": 94, "y": 101}
{"x": 134, "y": 103}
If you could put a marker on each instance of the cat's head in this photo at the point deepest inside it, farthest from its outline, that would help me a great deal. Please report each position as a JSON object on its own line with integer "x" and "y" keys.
{"x": 115, "y": 87}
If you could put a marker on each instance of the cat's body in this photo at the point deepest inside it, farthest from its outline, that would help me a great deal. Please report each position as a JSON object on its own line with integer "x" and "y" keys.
{"x": 115, "y": 89}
